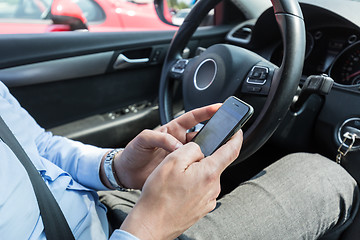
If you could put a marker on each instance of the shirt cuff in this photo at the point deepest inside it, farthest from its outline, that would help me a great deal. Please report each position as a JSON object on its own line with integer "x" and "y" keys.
{"x": 89, "y": 175}
{"x": 122, "y": 235}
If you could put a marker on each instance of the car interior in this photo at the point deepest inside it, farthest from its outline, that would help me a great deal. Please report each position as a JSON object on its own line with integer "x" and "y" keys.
{"x": 297, "y": 64}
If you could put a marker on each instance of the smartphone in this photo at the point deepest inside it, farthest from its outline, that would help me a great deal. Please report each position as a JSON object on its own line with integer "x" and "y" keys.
{"x": 228, "y": 119}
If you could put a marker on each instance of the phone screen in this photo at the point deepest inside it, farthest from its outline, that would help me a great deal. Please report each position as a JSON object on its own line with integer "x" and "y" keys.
{"x": 225, "y": 122}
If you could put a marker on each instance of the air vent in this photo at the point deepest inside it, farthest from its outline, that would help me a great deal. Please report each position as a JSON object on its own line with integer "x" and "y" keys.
{"x": 243, "y": 33}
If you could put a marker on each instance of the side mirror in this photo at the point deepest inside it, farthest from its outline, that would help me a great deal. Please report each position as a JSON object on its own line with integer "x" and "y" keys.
{"x": 174, "y": 12}
{"x": 67, "y": 15}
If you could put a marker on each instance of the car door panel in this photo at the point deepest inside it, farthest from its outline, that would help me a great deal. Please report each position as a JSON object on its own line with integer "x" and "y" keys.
{"x": 68, "y": 83}
{"x": 56, "y": 70}
{"x": 64, "y": 102}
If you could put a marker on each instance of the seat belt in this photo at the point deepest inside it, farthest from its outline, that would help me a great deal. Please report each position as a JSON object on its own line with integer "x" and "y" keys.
{"x": 55, "y": 224}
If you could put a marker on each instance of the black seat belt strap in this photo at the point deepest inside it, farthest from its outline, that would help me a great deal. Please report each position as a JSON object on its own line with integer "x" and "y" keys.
{"x": 55, "y": 224}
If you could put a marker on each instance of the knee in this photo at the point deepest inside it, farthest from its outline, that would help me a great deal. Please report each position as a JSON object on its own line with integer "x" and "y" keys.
{"x": 315, "y": 166}
{"x": 324, "y": 185}
{"x": 321, "y": 176}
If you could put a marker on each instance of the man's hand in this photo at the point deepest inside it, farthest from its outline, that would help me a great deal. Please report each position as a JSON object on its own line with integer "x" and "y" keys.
{"x": 147, "y": 150}
{"x": 181, "y": 190}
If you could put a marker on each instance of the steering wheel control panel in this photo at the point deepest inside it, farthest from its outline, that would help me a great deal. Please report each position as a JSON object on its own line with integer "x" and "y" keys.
{"x": 258, "y": 80}
{"x": 178, "y": 69}
{"x": 258, "y": 75}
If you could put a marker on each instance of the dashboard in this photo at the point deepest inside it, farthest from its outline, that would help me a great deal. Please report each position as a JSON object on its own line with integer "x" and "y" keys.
{"x": 333, "y": 51}
{"x": 332, "y": 43}
{"x": 345, "y": 69}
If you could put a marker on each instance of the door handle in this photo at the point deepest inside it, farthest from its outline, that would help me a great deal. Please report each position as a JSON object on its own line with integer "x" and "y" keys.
{"x": 123, "y": 62}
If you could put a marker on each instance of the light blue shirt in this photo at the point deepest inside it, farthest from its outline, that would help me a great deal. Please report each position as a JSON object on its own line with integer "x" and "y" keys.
{"x": 69, "y": 168}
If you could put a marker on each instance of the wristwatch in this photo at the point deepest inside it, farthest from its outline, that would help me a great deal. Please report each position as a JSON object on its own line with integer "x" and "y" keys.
{"x": 110, "y": 170}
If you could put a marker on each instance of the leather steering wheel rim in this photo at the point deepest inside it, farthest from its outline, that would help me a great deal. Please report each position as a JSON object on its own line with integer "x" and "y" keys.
{"x": 284, "y": 82}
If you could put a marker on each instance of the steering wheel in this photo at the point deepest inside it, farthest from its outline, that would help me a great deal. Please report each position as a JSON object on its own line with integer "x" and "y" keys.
{"x": 223, "y": 70}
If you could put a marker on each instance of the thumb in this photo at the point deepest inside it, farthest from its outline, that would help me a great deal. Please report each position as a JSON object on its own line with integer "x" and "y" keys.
{"x": 150, "y": 139}
{"x": 227, "y": 153}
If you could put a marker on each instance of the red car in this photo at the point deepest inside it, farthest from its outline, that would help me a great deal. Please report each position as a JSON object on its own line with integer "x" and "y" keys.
{"x": 38, "y": 16}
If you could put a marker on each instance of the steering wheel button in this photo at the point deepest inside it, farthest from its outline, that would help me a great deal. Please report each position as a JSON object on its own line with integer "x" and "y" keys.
{"x": 255, "y": 74}
{"x": 253, "y": 89}
{"x": 256, "y": 81}
{"x": 263, "y": 75}
{"x": 179, "y": 66}
{"x": 259, "y": 72}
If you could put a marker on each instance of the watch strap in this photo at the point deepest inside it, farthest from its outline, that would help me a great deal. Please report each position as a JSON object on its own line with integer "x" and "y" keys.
{"x": 110, "y": 170}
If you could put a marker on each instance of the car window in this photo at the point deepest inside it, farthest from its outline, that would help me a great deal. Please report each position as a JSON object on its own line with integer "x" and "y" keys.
{"x": 39, "y": 16}
{"x": 39, "y": 9}
{"x": 34, "y": 16}
{"x": 23, "y": 9}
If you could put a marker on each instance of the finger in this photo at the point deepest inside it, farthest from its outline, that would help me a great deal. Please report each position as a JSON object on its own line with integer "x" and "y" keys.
{"x": 227, "y": 153}
{"x": 187, "y": 155}
{"x": 190, "y": 119}
{"x": 149, "y": 139}
{"x": 190, "y": 136}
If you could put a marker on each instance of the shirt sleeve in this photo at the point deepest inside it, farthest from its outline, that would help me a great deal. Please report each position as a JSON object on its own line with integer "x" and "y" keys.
{"x": 81, "y": 161}
{"x": 122, "y": 235}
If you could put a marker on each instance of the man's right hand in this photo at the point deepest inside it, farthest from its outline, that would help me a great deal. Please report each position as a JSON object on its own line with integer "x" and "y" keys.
{"x": 181, "y": 190}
